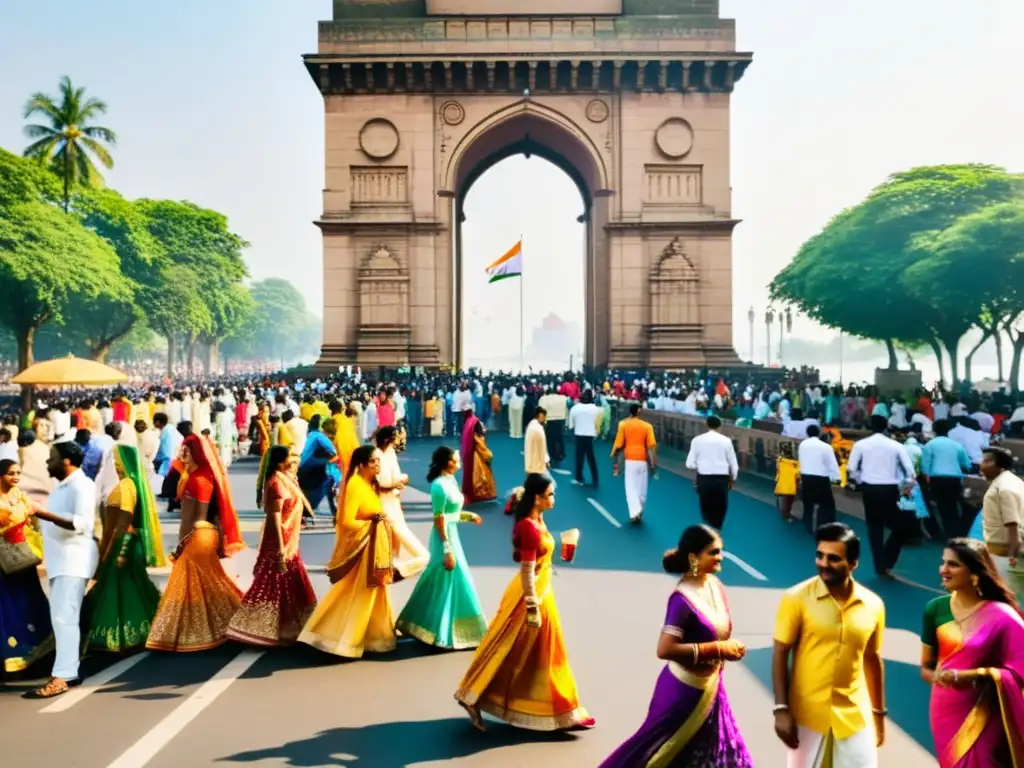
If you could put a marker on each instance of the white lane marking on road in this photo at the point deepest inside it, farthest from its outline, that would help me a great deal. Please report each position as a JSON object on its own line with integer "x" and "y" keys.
{"x": 150, "y": 745}
{"x": 561, "y": 471}
{"x": 925, "y": 587}
{"x": 744, "y": 565}
{"x": 92, "y": 684}
{"x": 607, "y": 515}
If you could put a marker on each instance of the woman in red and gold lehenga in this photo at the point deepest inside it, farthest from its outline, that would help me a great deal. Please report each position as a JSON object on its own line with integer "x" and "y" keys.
{"x": 281, "y": 599}
{"x": 200, "y": 598}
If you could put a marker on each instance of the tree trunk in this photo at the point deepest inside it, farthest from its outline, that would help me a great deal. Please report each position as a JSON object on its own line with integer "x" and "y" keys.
{"x": 952, "y": 346}
{"x": 986, "y": 335}
{"x": 190, "y": 355}
{"x": 170, "y": 355}
{"x": 937, "y": 350}
{"x": 998, "y": 337}
{"x": 26, "y": 338}
{"x": 212, "y": 358}
{"x": 67, "y": 179}
{"x": 894, "y": 362}
{"x": 1018, "y": 348}
{"x": 99, "y": 351}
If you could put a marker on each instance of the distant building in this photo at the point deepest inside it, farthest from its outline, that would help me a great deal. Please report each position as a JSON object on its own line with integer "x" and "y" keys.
{"x": 554, "y": 342}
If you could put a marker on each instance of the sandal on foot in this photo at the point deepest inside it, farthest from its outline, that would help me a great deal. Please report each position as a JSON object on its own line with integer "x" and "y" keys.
{"x": 56, "y": 687}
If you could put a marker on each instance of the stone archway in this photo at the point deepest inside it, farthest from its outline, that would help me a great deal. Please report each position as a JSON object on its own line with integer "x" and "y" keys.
{"x": 629, "y": 97}
{"x": 527, "y": 127}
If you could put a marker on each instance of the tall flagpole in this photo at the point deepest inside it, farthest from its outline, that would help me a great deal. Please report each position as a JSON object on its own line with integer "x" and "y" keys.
{"x": 522, "y": 361}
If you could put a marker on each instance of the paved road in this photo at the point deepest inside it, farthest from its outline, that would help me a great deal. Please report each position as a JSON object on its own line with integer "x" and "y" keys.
{"x": 299, "y": 707}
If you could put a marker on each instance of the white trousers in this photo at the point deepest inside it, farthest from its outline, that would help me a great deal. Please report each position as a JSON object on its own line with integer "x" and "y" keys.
{"x": 636, "y": 487}
{"x": 1014, "y": 577}
{"x": 515, "y": 422}
{"x": 858, "y": 751}
{"x": 66, "y": 594}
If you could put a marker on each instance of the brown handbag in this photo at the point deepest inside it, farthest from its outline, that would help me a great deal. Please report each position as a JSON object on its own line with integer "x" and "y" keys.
{"x": 15, "y": 558}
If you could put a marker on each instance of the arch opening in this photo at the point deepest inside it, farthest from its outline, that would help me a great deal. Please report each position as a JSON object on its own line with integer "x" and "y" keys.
{"x": 529, "y": 133}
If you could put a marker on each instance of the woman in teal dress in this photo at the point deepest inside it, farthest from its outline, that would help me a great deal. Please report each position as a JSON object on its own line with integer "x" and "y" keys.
{"x": 121, "y": 605}
{"x": 444, "y": 610}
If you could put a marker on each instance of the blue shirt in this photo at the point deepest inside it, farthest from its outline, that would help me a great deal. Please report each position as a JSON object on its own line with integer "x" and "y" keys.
{"x": 944, "y": 457}
{"x": 92, "y": 460}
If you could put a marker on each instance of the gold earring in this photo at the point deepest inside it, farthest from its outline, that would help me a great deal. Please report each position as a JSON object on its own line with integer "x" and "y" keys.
{"x": 974, "y": 581}
{"x": 694, "y": 570}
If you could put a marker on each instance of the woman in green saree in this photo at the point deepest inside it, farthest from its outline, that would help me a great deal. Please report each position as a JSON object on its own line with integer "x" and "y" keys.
{"x": 121, "y": 605}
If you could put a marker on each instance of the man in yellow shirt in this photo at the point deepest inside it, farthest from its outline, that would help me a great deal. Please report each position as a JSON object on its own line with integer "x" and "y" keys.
{"x": 832, "y": 704}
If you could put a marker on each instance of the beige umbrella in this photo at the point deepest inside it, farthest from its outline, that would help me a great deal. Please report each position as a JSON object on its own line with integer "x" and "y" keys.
{"x": 69, "y": 371}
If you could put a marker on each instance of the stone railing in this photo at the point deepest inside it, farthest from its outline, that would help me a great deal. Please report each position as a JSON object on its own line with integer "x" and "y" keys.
{"x": 757, "y": 449}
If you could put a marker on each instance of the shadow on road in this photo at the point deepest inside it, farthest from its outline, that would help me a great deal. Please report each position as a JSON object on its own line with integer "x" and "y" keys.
{"x": 395, "y": 745}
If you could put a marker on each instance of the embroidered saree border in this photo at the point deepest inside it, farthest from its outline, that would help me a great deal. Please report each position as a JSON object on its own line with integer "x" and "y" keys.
{"x": 970, "y": 730}
{"x": 1012, "y": 730}
{"x": 21, "y": 663}
{"x": 671, "y": 749}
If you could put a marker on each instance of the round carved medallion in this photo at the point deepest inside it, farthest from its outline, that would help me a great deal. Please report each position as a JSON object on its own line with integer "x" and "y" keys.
{"x": 452, "y": 112}
{"x": 674, "y": 138}
{"x": 378, "y": 139}
{"x": 597, "y": 111}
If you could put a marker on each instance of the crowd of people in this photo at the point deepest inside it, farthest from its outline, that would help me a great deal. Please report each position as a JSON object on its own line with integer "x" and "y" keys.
{"x": 88, "y": 514}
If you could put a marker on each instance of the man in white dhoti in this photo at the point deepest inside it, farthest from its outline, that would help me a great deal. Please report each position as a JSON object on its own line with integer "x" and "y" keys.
{"x": 71, "y": 557}
{"x": 830, "y": 709}
{"x": 635, "y": 440}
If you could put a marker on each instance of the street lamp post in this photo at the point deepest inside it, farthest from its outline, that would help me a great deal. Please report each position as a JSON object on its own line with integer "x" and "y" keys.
{"x": 751, "y": 315}
{"x": 789, "y": 329}
{"x": 769, "y": 318}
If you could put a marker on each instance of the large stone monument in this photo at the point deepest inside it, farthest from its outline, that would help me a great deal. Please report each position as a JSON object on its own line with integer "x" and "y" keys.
{"x": 630, "y": 97}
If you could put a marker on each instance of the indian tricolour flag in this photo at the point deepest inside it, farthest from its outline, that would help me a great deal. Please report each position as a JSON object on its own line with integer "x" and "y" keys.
{"x": 509, "y": 265}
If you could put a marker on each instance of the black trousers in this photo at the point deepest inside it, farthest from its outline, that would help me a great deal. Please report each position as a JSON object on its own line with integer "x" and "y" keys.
{"x": 585, "y": 450}
{"x": 881, "y": 509}
{"x": 816, "y": 494}
{"x": 713, "y": 492}
{"x": 947, "y": 492}
{"x": 554, "y": 430}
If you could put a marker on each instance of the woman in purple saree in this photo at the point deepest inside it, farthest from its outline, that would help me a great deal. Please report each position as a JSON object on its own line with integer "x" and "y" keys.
{"x": 689, "y": 723}
{"x": 973, "y": 655}
{"x": 477, "y": 477}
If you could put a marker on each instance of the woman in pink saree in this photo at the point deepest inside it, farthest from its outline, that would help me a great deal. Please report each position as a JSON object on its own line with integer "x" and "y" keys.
{"x": 973, "y": 656}
{"x": 477, "y": 477}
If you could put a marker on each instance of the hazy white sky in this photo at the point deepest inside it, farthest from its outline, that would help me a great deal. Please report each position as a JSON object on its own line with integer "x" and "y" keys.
{"x": 212, "y": 104}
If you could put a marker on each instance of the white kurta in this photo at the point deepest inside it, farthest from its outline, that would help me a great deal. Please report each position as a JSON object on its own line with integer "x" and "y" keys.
{"x": 413, "y": 556}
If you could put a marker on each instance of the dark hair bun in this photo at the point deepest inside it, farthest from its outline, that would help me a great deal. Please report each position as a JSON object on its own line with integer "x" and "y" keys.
{"x": 674, "y": 562}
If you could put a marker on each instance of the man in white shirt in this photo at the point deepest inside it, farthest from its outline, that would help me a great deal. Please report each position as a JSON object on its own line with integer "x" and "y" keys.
{"x": 535, "y": 448}
{"x": 555, "y": 405}
{"x": 880, "y": 465}
{"x": 973, "y": 440}
{"x": 818, "y": 470}
{"x": 796, "y": 425}
{"x": 71, "y": 558}
{"x": 585, "y": 421}
{"x": 713, "y": 457}
{"x": 1002, "y": 512}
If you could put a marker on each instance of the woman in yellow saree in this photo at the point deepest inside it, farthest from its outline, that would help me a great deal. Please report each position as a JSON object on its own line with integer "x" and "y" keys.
{"x": 355, "y": 615}
{"x": 521, "y": 672}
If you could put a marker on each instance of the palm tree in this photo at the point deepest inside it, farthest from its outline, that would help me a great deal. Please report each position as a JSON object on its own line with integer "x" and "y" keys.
{"x": 68, "y": 140}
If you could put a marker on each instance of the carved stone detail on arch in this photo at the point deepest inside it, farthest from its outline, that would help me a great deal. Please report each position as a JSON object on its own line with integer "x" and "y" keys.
{"x": 452, "y": 174}
{"x": 675, "y": 288}
{"x": 384, "y": 331}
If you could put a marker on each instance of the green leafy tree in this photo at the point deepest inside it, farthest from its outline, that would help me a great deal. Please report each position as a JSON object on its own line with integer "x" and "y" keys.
{"x": 67, "y": 140}
{"x": 854, "y": 274}
{"x": 198, "y": 240}
{"x": 26, "y": 181}
{"x": 47, "y": 262}
{"x": 121, "y": 223}
{"x": 977, "y": 266}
